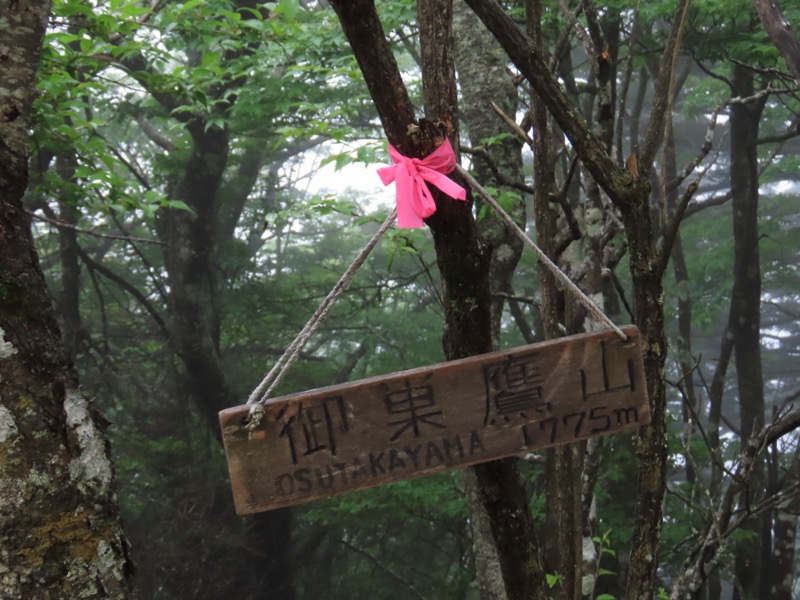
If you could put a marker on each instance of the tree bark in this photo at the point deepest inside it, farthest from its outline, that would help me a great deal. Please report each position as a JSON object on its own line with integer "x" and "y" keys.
{"x": 781, "y": 33}
{"x": 483, "y": 79}
{"x": 745, "y": 315}
{"x": 60, "y": 533}
{"x": 69, "y": 298}
{"x": 563, "y": 464}
{"x": 785, "y": 524}
{"x": 192, "y": 240}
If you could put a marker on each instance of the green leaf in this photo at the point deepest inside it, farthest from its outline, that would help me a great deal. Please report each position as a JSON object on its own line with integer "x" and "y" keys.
{"x": 553, "y": 579}
{"x": 290, "y": 8}
{"x": 177, "y": 204}
{"x": 210, "y": 59}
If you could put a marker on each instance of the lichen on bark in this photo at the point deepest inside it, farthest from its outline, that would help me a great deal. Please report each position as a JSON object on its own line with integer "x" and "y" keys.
{"x": 60, "y": 534}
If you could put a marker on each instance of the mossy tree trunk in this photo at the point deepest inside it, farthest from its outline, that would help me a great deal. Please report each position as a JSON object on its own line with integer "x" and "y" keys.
{"x": 60, "y": 533}
{"x": 483, "y": 78}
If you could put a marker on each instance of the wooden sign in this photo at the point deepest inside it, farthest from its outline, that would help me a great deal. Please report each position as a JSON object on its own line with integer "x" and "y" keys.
{"x": 371, "y": 432}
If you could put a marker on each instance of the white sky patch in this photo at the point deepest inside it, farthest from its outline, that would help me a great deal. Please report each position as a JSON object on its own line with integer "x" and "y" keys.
{"x": 772, "y": 337}
{"x": 357, "y": 177}
{"x": 722, "y": 118}
{"x": 781, "y": 188}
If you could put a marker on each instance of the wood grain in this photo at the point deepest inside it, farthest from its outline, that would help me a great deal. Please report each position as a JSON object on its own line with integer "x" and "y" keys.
{"x": 371, "y": 432}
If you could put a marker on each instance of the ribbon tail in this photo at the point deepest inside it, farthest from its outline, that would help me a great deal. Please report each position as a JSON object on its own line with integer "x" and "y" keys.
{"x": 387, "y": 174}
{"x": 447, "y": 185}
{"x": 421, "y": 199}
{"x": 407, "y": 217}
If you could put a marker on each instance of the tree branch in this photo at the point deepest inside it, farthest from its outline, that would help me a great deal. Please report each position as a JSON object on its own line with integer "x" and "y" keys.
{"x": 708, "y": 549}
{"x": 781, "y": 33}
{"x": 671, "y": 228}
{"x": 708, "y": 143}
{"x": 131, "y": 289}
{"x": 498, "y": 175}
{"x": 527, "y": 56}
{"x": 108, "y": 236}
{"x": 662, "y": 94}
{"x": 512, "y": 124}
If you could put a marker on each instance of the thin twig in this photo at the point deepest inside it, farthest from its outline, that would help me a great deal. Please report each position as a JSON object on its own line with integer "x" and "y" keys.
{"x": 498, "y": 175}
{"x": 93, "y": 265}
{"x": 108, "y": 236}
{"x": 708, "y": 143}
{"x": 707, "y": 550}
{"x": 523, "y": 135}
{"x": 383, "y": 568}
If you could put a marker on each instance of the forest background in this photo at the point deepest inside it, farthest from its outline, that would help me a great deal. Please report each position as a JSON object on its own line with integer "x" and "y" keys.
{"x": 176, "y": 202}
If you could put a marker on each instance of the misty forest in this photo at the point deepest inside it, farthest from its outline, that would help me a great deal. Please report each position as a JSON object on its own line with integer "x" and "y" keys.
{"x": 183, "y": 183}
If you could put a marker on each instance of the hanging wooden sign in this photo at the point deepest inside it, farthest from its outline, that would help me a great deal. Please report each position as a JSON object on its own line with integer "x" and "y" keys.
{"x": 371, "y": 432}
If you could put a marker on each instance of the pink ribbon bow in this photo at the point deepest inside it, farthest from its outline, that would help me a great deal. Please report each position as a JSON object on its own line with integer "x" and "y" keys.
{"x": 414, "y": 200}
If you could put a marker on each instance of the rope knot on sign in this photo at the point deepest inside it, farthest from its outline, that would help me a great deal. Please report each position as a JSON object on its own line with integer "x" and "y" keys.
{"x": 414, "y": 199}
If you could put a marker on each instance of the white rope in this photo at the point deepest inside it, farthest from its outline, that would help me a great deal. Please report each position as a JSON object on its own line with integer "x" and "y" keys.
{"x": 558, "y": 273}
{"x": 259, "y": 396}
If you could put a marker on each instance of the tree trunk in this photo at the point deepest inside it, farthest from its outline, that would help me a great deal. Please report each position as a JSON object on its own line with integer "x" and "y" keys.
{"x": 745, "y": 316}
{"x": 191, "y": 241}
{"x": 69, "y": 300}
{"x": 190, "y": 257}
{"x": 483, "y": 78}
{"x": 563, "y": 464}
{"x": 781, "y": 33}
{"x": 462, "y": 261}
{"x": 60, "y": 534}
{"x": 629, "y": 190}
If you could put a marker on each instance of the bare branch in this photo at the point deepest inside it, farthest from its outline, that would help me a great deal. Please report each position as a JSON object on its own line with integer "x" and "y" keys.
{"x": 702, "y": 205}
{"x": 527, "y": 56}
{"x": 154, "y": 135}
{"x": 109, "y": 236}
{"x": 671, "y": 230}
{"x": 573, "y": 23}
{"x": 708, "y": 549}
{"x": 128, "y": 287}
{"x": 498, "y": 175}
{"x": 522, "y": 134}
{"x": 789, "y": 134}
{"x": 708, "y": 143}
{"x": 664, "y": 84}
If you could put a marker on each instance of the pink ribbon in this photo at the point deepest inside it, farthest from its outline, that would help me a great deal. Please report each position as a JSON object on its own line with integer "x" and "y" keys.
{"x": 414, "y": 200}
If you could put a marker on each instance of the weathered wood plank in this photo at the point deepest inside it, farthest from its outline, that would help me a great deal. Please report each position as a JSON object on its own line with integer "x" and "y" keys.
{"x": 367, "y": 433}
